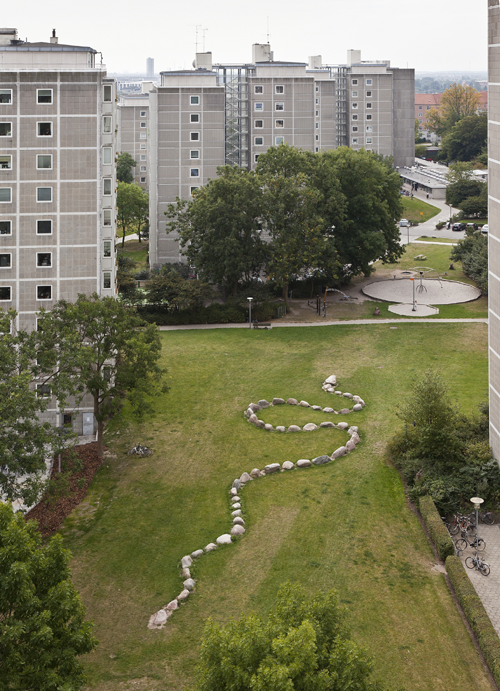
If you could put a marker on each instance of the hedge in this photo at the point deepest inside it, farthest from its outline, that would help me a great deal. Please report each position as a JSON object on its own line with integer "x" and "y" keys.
{"x": 436, "y": 528}
{"x": 476, "y": 615}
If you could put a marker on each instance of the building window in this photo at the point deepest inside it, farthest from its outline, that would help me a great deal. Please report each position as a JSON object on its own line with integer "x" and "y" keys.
{"x": 44, "y": 162}
{"x": 194, "y": 172}
{"x": 317, "y": 149}
{"x": 44, "y": 227}
{"x": 279, "y": 89}
{"x": 5, "y": 261}
{"x": 44, "y": 194}
{"x": 317, "y": 125}
{"x": 143, "y": 169}
{"x": 258, "y": 123}
{"x": 258, "y": 106}
{"x": 43, "y": 391}
{"x": 258, "y": 89}
{"x": 354, "y": 82}
{"x": 368, "y": 140}
{"x": 428, "y": 107}
{"x": 317, "y": 137}
{"x": 369, "y": 128}
{"x": 106, "y": 248}
{"x": 194, "y": 100}
{"x": 256, "y": 157}
{"x": 44, "y": 292}
{"x": 368, "y": 94}
{"x": 368, "y": 117}
{"x": 368, "y": 105}
{"x": 355, "y": 94}
{"x": 5, "y": 227}
{"x": 278, "y": 140}
{"x": 143, "y": 180}
{"x": 317, "y": 113}
{"x": 106, "y": 279}
{"x": 143, "y": 114}
{"x": 5, "y": 293}
{"x": 355, "y": 128}
{"x": 107, "y": 124}
{"x": 5, "y": 195}
{"x": 195, "y": 153}
{"x": 107, "y": 155}
{"x": 143, "y": 135}
{"x": 317, "y": 100}
{"x": 317, "y": 88}
{"x": 5, "y": 129}
{"x": 44, "y": 95}
{"x": 5, "y": 162}
{"x": 143, "y": 157}
{"x": 5, "y": 95}
{"x": 194, "y": 136}
{"x": 420, "y": 115}
{"x": 354, "y": 105}
{"x": 43, "y": 259}
{"x": 143, "y": 124}
{"x": 192, "y": 190}
{"x": 354, "y": 117}
{"x": 108, "y": 93}
{"x": 194, "y": 117}
{"x": 106, "y": 217}
{"x": 107, "y": 185}
{"x": 258, "y": 141}
{"x": 355, "y": 140}
{"x": 369, "y": 82}
{"x": 143, "y": 146}
{"x": 279, "y": 123}
{"x": 44, "y": 129}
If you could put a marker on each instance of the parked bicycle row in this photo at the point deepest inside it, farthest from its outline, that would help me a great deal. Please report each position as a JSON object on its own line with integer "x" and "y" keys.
{"x": 465, "y": 524}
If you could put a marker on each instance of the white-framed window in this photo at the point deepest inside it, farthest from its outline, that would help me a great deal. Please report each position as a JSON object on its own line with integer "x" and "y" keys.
{"x": 428, "y": 107}
{"x": 143, "y": 124}
{"x": 143, "y": 179}
{"x": 5, "y": 293}
{"x": 5, "y": 195}
{"x": 278, "y": 89}
{"x": 369, "y": 82}
{"x": 143, "y": 169}
{"x": 107, "y": 217}
{"x": 107, "y": 185}
{"x": 368, "y": 140}
{"x": 44, "y": 162}
{"x": 194, "y": 136}
{"x": 6, "y": 260}
{"x": 316, "y": 149}
{"x": 317, "y": 113}
{"x": 354, "y": 82}
{"x": 278, "y": 141}
{"x": 143, "y": 135}
{"x": 259, "y": 106}
{"x": 369, "y": 128}
{"x": 5, "y": 129}
{"x": 44, "y": 194}
{"x": 193, "y": 117}
{"x": 106, "y": 279}
{"x": 194, "y": 100}
{"x": 44, "y": 129}
{"x": 279, "y": 106}
{"x": 258, "y": 141}
{"x": 317, "y": 125}
{"x": 192, "y": 190}
{"x": 317, "y": 137}
{"x": 44, "y": 226}
{"x": 194, "y": 172}
{"x": 5, "y": 227}
{"x": 44, "y": 292}
{"x": 279, "y": 123}
{"x": 355, "y": 94}
{"x": 258, "y": 89}
{"x": 317, "y": 100}
{"x": 420, "y": 115}
{"x": 43, "y": 391}
{"x": 143, "y": 114}
{"x": 355, "y": 128}
{"x": 143, "y": 146}
{"x": 5, "y": 96}
{"x": 107, "y": 124}
{"x": 368, "y": 94}
{"x": 369, "y": 116}
{"x": 107, "y": 93}
{"x": 44, "y": 96}
{"x": 143, "y": 157}
{"x": 317, "y": 88}
{"x": 107, "y": 155}
{"x": 420, "y": 107}
{"x": 106, "y": 248}
{"x": 6, "y": 162}
{"x": 354, "y": 106}
{"x": 194, "y": 153}
{"x": 256, "y": 157}
{"x": 355, "y": 140}
{"x": 43, "y": 260}
{"x": 258, "y": 124}
{"x": 355, "y": 117}
{"x": 368, "y": 105}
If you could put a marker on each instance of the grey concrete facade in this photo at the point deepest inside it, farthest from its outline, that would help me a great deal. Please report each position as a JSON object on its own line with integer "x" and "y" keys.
{"x": 133, "y": 134}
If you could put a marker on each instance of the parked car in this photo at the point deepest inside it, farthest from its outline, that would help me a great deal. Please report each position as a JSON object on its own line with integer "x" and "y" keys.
{"x": 485, "y": 229}
{"x": 404, "y": 223}
{"x": 458, "y": 226}
{"x": 472, "y": 226}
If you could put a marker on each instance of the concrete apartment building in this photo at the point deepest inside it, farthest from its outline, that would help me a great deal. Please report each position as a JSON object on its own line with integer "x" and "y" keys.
{"x": 220, "y": 114}
{"x": 57, "y": 177}
{"x": 133, "y": 132}
{"x": 494, "y": 222}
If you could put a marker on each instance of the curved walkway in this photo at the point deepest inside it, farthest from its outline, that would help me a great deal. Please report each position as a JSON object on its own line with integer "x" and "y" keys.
{"x": 344, "y": 322}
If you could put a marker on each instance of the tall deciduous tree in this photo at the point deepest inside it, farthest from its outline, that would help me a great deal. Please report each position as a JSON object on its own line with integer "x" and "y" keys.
{"x": 124, "y": 165}
{"x": 467, "y": 139}
{"x": 132, "y": 207}
{"x": 457, "y": 102}
{"x": 101, "y": 346}
{"x": 42, "y": 619}
{"x": 169, "y": 288}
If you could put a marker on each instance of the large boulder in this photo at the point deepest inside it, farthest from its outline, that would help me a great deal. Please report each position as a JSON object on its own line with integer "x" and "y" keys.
{"x": 268, "y": 427}
{"x": 188, "y": 584}
{"x": 294, "y": 428}
{"x": 288, "y": 465}
{"x": 197, "y": 553}
{"x": 292, "y": 401}
{"x": 326, "y": 424}
{"x": 248, "y": 412}
{"x": 350, "y": 445}
{"x": 361, "y": 402}
{"x": 342, "y": 425}
{"x": 210, "y": 547}
{"x": 186, "y": 573}
{"x": 303, "y": 463}
{"x": 321, "y": 460}
{"x": 280, "y": 428}
{"x": 236, "y": 513}
{"x": 356, "y": 399}
{"x": 278, "y": 401}
{"x": 186, "y": 562}
{"x": 328, "y": 410}
{"x": 237, "y": 530}
{"x": 172, "y": 605}
{"x": 310, "y": 427}
{"x": 332, "y": 379}
{"x": 224, "y": 539}
{"x": 352, "y": 429}
{"x": 304, "y": 404}
{"x": 344, "y": 411}
{"x": 235, "y": 498}
{"x": 355, "y": 438}
{"x": 237, "y": 484}
{"x": 238, "y": 520}
{"x": 272, "y": 468}
{"x": 236, "y": 506}
{"x": 316, "y": 407}
{"x": 260, "y": 423}
{"x": 255, "y": 472}
{"x": 341, "y": 451}
{"x": 254, "y": 407}
{"x": 347, "y": 395}
{"x": 245, "y": 477}
{"x": 233, "y": 491}
{"x": 357, "y": 407}
{"x": 253, "y": 418}
{"x": 158, "y": 619}
{"x": 263, "y": 403}
{"x": 183, "y": 596}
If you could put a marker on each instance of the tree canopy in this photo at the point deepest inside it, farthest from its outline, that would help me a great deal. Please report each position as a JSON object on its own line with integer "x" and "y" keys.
{"x": 467, "y": 139}
{"x": 132, "y": 207}
{"x": 124, "y": 165}
{"x": 457, "y": 102}
{"x": 42, "y": 619}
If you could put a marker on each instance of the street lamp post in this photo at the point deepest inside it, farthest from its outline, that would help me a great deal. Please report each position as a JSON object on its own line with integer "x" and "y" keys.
{"x": 414, "y": 308}
{"x": 477, "y": 501}
{"x": 451, "y": 207}
{"x": 250, "y": 312}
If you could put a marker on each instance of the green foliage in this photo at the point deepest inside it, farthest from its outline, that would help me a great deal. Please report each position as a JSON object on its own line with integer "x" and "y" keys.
{"x": 458, "y": 192}
{"x": 127, "y": 286}
{"x": 457, "y": 102}
{"x": 303, "y": 644}
{"x": 476, "y": 615}
{"x": 124, "y": 165}
{"x": 472, "y": 251}
{"x": 420, "y": 150}
{"x": 132, "y": 207}
{"x": 467, "y": 139}
{"x": 435, "y": 527}
{"x": 169, "y": 288}
{"x": 42, "y": 627}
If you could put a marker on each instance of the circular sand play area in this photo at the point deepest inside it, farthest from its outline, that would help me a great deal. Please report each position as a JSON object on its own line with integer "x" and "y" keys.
{"x": 428, "y": 291}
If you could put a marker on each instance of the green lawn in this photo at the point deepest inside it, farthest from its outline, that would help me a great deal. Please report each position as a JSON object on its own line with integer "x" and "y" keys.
{"x": 418, "y": 211}
{"x": 345, "y": 525}
{"x": 138, "y": 251}
{"x": 448, "y": 241}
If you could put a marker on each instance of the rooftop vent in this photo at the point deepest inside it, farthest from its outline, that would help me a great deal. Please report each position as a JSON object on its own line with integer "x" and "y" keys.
{"x": 53, "y": 38}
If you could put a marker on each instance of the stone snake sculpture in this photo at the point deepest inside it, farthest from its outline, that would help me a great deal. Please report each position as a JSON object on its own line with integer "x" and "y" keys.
{"x": 159, "y": 619}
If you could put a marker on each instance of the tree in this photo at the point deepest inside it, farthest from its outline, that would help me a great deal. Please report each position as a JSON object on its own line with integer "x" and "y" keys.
{"x": 26, "y": 443}
{"x": 302, "y": 644}
{"x": 42, "y": 627}
{"x": 459, "y": 171}
{"x": 219, "y": 229}
{"x": 169, "y": 288}
{"x": 458, "y": 192}
{"x": 142, "y": 214}
{"x": 124, "y": 165}
{"x": 467, "y": 139}
{"x": 132, "y": 206}
{"x": 472, "y": 251}
{"x": 102, "y": 347}
{"x": 457, "y": 102}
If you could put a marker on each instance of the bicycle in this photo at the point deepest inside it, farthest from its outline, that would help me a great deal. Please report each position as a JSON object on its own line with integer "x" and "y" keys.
{"x": 462, "y": 543}
{"x": 140, "y": 450}
{"x": 459, "y": 523}
{"x": 485, "y": 517}
{"x": 479, "y": 564}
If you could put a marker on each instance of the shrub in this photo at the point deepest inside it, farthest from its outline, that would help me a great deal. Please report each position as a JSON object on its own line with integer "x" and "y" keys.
{"x": 436, "y": 528}
{"x": 476, "y": 615}
{"x": 440, "y": 225}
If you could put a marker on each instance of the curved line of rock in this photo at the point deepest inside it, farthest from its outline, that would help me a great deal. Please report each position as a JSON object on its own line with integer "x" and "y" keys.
{"x": 159, "y": 619}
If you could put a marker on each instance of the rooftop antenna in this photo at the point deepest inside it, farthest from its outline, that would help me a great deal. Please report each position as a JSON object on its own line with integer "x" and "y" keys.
{"x": 204, "y": 32}
{"x": 196, "y": 26}
{"x": 268, "y": 34}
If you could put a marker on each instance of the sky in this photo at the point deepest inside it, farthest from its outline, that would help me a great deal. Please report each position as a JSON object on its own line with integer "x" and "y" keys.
{"x": 428, "y": 35}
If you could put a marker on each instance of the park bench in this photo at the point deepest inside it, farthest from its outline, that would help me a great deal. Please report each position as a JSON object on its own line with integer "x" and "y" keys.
{"x": 262, "y": 325}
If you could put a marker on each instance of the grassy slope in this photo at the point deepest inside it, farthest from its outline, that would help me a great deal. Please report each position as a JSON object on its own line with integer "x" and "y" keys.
{"x": 344, "y": 525}
{"x": 138, "y": 251}
{"x": 413, "y": 208}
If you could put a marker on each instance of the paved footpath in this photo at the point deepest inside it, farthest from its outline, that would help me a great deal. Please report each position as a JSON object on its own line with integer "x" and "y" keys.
{"x": 488, "y": 587}
{"x": 344, "y": 322}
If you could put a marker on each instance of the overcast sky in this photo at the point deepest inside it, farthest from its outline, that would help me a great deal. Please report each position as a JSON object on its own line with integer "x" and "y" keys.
{"x": 429, "y": 35}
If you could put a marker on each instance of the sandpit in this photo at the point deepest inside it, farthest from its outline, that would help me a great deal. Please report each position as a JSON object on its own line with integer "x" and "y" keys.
{"x": 428, "y": 291}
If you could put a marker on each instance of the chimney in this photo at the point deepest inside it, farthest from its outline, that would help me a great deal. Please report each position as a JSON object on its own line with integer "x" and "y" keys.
{"x": 53, "y": 38}
{"x": 7, "y": 36}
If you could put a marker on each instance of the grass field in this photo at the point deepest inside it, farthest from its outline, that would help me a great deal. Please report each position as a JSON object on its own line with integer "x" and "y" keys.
{"x": 445, "y": 241}
{"x": 345, "y": 525}
{"x": 413, "y": 208}
{"x": 138, "y": 251}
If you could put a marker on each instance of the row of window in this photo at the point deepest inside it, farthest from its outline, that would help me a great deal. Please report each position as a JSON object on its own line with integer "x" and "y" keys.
{"x": 46, "y": 129}
{"x": 355, "y": 94}
{"x": 44, "y": 292}
{"x": 277, "y": 106}
{"x": 260, "y": 123}
{"x": 369, "y": 128}
{"x": 45, "y": 161}
{"x": 368, "y": 140}
{"x": 368, "y": 82}
{"x": 44, "y": 259}
{"x": 368, "y": 117}
{"x": 427, "y": 107}
{"x": 46, "y": 96}
{"x": 44, "y": 227}
{"x": 278, "y": 89}
{"x": 367, "y": 105}
{"x": 44, "y": 194}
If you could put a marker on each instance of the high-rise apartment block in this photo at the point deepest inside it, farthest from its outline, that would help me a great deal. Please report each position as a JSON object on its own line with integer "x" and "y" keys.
{"x": 133, "y": 132}
{"x": 57, "y": 175}
{"x": 220, "y": 114}
{"x": 150, "y": 68}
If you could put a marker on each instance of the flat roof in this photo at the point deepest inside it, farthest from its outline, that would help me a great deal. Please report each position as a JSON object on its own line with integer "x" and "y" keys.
{"x": 194, "y": 73}
{"x": 47, "y": 47}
